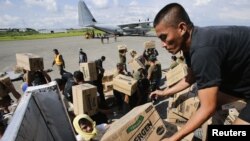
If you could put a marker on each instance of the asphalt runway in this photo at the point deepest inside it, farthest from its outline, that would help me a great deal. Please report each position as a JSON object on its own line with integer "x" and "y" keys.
{"x": 69, "y": 48}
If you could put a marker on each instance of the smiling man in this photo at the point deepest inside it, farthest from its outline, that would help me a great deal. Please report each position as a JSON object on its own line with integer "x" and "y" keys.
{"x": 218, "y": 61}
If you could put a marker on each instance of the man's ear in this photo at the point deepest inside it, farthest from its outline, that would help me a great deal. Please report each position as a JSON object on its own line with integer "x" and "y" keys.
{"x": 182, "y": 28}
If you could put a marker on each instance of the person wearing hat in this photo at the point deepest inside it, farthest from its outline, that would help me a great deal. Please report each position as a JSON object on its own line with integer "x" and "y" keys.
{"x": 82, "y": 56}
{"x": 154, "y": 73}
{"x": 59, "y": 61}
{"x": 87, "y": 129}
{"x": 122, "y": 55}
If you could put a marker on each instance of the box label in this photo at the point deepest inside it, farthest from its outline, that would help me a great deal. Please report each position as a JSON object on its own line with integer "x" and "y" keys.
{"x": 136, "y": 124}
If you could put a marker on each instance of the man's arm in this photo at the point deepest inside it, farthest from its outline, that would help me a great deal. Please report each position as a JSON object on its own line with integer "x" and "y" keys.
{"x": 181, "y": 85}
{"x": 208, "y": 101}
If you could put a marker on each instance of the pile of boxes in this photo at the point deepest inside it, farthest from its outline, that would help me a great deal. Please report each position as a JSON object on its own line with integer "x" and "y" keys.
{"x": 183, "y": 104}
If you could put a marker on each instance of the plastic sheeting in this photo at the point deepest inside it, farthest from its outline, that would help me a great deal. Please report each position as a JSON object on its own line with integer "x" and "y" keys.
{"x": 40, "y": 116}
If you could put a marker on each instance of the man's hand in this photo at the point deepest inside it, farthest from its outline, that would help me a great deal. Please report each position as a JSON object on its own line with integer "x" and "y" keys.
{"x": 155, "y": 94}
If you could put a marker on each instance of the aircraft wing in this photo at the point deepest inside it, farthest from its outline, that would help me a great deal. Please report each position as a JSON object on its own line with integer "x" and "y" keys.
{"x": 134, "y": 25}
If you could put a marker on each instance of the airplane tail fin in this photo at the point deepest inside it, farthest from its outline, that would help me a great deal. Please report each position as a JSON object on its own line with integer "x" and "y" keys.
{"x": 84, "y": 15}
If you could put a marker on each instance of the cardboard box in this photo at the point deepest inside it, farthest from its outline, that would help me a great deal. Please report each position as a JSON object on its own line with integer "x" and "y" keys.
{"x": 85, "y": 99}
{"x": 136, "y": 63}
{"x": 108, "y": 76}
{"x": 108, "y": 86}
{"x": 141, "y": 123}
{"x": 29, "y": 61}
{"x": 238, "y": 105}
{"x": 175, "y": 118}
{"x": 3, "y": 90}
{"x": 176, "y": 74}
{"x": 124, "y": 84}
{"x": 89, "y": 71}
{"x": 186, "y": 102}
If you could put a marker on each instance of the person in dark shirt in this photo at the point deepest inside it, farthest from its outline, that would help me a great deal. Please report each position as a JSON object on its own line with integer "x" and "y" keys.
{"x": 82, "y": 57}
{"x": 98, "y": 83}
{"x": 218, "y": 58}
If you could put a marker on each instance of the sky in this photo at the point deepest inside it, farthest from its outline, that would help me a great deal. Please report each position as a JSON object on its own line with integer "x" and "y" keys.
{"x": 39, "y": 14}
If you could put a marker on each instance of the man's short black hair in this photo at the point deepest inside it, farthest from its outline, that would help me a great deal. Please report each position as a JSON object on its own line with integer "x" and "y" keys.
{"x": 55, "y": 50}
{"x": 173, "y": 14}
{"x": 78, "y": 75}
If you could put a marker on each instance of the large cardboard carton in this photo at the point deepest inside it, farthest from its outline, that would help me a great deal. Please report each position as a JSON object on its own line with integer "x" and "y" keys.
{"x": 89, "y": 71}
{"x": 85, "y": 99}
{"x": 29, "y": 61}
{"x": 4, "y": 80}
{"x": 186, "y": 102}
{"x": 141, "y": 123}
{"x": 108, "y": 76}
{"x": 124, "y": 84}
{"x": 176, "y": 74}
{"x": 136, "y": 63}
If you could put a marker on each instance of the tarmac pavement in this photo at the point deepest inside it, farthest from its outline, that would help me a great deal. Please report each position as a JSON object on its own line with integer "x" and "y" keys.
{"x": 69, "y": 48}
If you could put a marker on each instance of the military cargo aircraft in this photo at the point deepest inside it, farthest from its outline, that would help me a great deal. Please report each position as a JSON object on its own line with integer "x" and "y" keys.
{"x": 86, "y": 19}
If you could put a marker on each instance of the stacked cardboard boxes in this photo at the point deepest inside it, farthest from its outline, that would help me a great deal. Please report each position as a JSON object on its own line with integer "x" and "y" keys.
{"x": 89, "y": 71}
{"x": 85, "y": 99}
{"x": 186, "y": 102}
{"x": 141, "y": 123}
{"x": 176, "y": 74}
{"x": 125, "y": 84}
{"x": 29, "y": 61}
